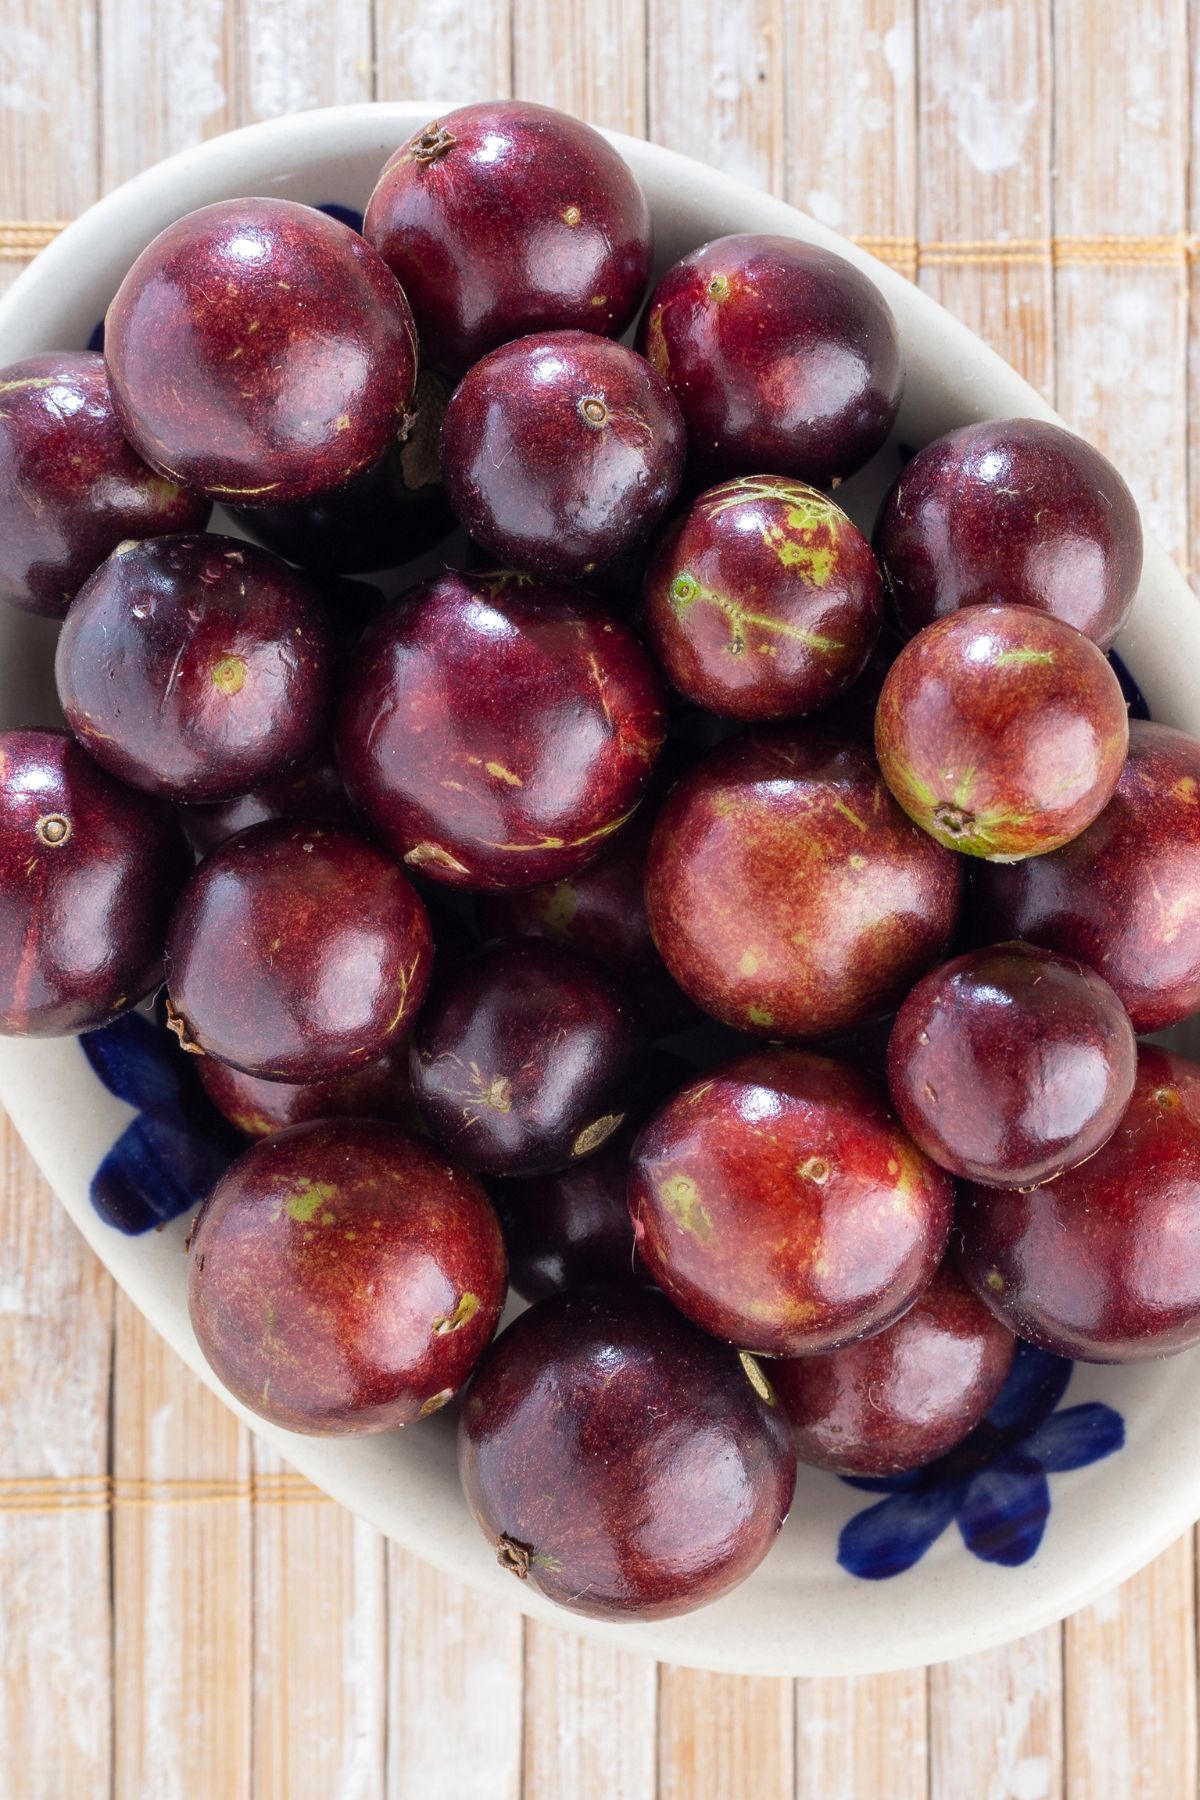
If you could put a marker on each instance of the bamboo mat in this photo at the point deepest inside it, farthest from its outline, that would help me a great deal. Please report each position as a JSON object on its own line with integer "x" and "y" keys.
{"x": 180, "y": 1618}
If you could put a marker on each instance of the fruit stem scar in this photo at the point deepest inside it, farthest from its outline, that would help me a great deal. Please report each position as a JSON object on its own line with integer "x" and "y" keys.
{"x": 952, "y": 820}
{"x": 229, "y": 674}
{"x": 433, "y": 142}
{"x": 53, "y": 830}
{"x": 718, "y": 287}
{"x": 178, "y": 1024}
{"x": 593, "y": 410}
{"x": 514, "y": 1557}
{"x": 571, "y": 215}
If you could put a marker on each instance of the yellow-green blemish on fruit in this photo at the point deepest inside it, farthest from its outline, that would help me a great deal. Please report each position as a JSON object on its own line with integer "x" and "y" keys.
{"x": 595, "y": 1134}
{"x": 718, "y": 287}
{"x": 306, "y": 1201}
{"x": 681, "y": 1197}
{"x": 684, "y": 590}
{"x": 758, "y": 1015}
{"x": 995, "y": 1280}
{"x": 748, "y": 964}
{"x": 656, "y": 344}
{"x": 1023, "y": 655}
{"x": 847, "y": 812}
{"x": 229, "y": 674}
{"x": 756, "y": 1378}
{"x": 498, "y": 772}
{"x": 435, "y": 1403}
{"x": 857, "y": 862}
{"x": 561, "y": 905}
{"x": 462, "y": 1315}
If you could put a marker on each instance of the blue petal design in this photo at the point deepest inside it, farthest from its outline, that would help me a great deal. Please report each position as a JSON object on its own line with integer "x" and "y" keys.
{"x": 345, "y": 214}
{"x": 1036, "y": 1384}
{"x": 887, "y": 1539}
{"x": 886, "y": 1484}
{"x": 1135, "y": 700}
{"x": 136, "y": 1061}
{"x": 1004, "y": 1512}
{"x": 1074, "y": 1438}
{"x": 156, "y": 1170}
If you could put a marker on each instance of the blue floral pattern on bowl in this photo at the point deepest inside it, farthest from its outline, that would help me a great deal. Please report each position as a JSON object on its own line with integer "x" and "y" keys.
{"x": 993, "y": 1485}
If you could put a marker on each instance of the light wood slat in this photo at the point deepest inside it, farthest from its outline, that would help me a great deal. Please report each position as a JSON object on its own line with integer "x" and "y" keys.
{"x": 320, "y": 1649}
{"x": 716, "y": 85}
{"x": 725, "y": 1737}
{"x": 862, "y": 1736}
{"x": 295, "y": 54}
{"x": 454, "y": 1688}
{"x": 48, "y": 101}
{"x": 167, "y": 79}
{"x": 182, "y": 1582}
{"x": 589, "y": 1719}
{"x": 55, "y": 1625}
{"x": 996, "y": 1727}
{"x": 586, "y": 56}
{"x": 985, "y": 103}
{"x": 450, "y": 51}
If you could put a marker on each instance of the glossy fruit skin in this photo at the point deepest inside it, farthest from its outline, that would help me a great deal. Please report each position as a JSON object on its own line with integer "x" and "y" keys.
{"x": 1104, "y": 1263}
{"x": 621, "y": 1461}
{"x": 782, "y": 356}
{"x": 195, "y": 667}
{"x": 344, "y": 1277}
{"x": 495, "y": 732}
{"x": 88, "y": 875}
{"x": 525, "y": 1059}
{"x": 1125, "y": 896}
{"x": 787, "y": 892}
{"x": 1001, "y": 731}
{"x": 571, "y": 1229}
{"x": 780, "y": 1206}
{"x": 1010, "y": 1064}
{"x": 764, "y": 600}
{"x": 313, "y": 791}
{"x": 1013, "y": 512}
{"x": 504, "y": 218}
{"x": 601, "y": 910}
{"x": 258, "y": 1108}
{"x": 395, "y": 510}
{"x": 71, "y": 486}
{"x": 297, "y": 952}
{"x": 562, "y": 451}
{"x": 261, "y": 352}
{"x": 905, "y": 1396}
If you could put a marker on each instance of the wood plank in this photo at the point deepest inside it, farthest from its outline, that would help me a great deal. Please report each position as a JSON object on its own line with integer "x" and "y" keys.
{"x": 454, "y": 1688}
{"x": 295, "y": 54}
{"x": 996, "y": 1723}
{"x": 55, "y": 1358}
{"x": 590, "y": 1717}
{"x": 320, "y": 1643}
{"x": 182, "y": 1577}
{"x": 716, "y": 85}
{"x": 586, "y": 56}
{"x": 167, "y": 79}
{"x": 725, "y": 1737}
{"x": 48, "y": 99}
{"x": 864, "y": 1735}
{"x": 444, "y": 51}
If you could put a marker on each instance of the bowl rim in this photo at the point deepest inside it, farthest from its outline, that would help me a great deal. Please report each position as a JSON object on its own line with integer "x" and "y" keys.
{"x": 1166, "y": 1513}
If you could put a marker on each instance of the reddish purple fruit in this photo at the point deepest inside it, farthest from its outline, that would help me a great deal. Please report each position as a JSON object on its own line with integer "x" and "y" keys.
{"x": 572, "y": 1229}
{"x": 621, "y": 1462}
{"x": 1012, "y": 512}
{"x": 71, "y": 486}
{"x": 345, "y": 1277}
{"x": 787, "y": 892}
{"x": 561, "y": 452}
{"x": 1125, "y": 896}
{"x": 601, "y": 910}
{"x": 504, "y": 218}
{"x": 258, "y": 1108}
{"x": 313, "y": 792}
{"x": 297, "y": 952}
{"x": 88, "y": 874}
{"x": 525, "y": 1059}
{"x": 905, "y": 1396}
{"x": 780, "y": 1205}
{"x": 1011, "y": 1064}
{"x": 261, "y": 352}
{"x": 195, "y": 667}
{"x": 764, "y": 600}
{"x": 496, "y": 732}
{"x": 1001, "y": 731}
{"x": 782, "y": 357}
{"x": 1104, "y": 1263}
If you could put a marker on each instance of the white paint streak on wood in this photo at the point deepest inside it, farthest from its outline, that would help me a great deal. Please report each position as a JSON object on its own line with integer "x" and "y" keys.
{"x": 588, "y": 60}
{"x": 865, "y": 1735}
{"x": 167, "y": 79}
{"x": 589, "y": 1719}
{"x": 295, "y": 54}
{"x": 996, "y": 1723}
{"x": 450, "y": 51}
{"x": 716, "y": 85}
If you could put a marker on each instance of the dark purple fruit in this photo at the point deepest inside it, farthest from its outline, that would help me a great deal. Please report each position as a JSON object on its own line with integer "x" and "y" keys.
{"x": 1001, "y": 731}
{"x": 495, "y": 732}
{"x": 572, "y": 1229}
{"x": 313, "y": 792}
{"x": 297, "y": 952}
{"x": 620, "y": 1461}
{"x": 1011, "y": 1064}
{"x": 525, "y": 1059}
{"x": 782, "y": 357}
{"x": 787, "y": 892}
{"x": 1012, "y": 512}
{"x": 344, "y": 1277}
{"x": 1104, "y": 1263}
{"x": 260, "y": 351}
{"x": 88, "y": 874}
{"x": 258, "y": 1108}
{"x": 71, "y": 486}
{"x": 195, "y": 667}
{"x": 504, "y": 218}
{"x": 763, "y": 600}
{"x": 1125, "y": 896}
{"x": 781, "y": 1206}
{"x": 561, "y": 452}
{"x": 905, "y": 1396}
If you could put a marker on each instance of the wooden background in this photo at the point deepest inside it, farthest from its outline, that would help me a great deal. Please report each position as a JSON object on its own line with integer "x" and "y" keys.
{"x": 180, "y": 1619}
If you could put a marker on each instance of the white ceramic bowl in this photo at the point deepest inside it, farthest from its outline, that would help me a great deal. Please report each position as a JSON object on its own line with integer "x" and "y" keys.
{"x": 802, "y": 1613}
